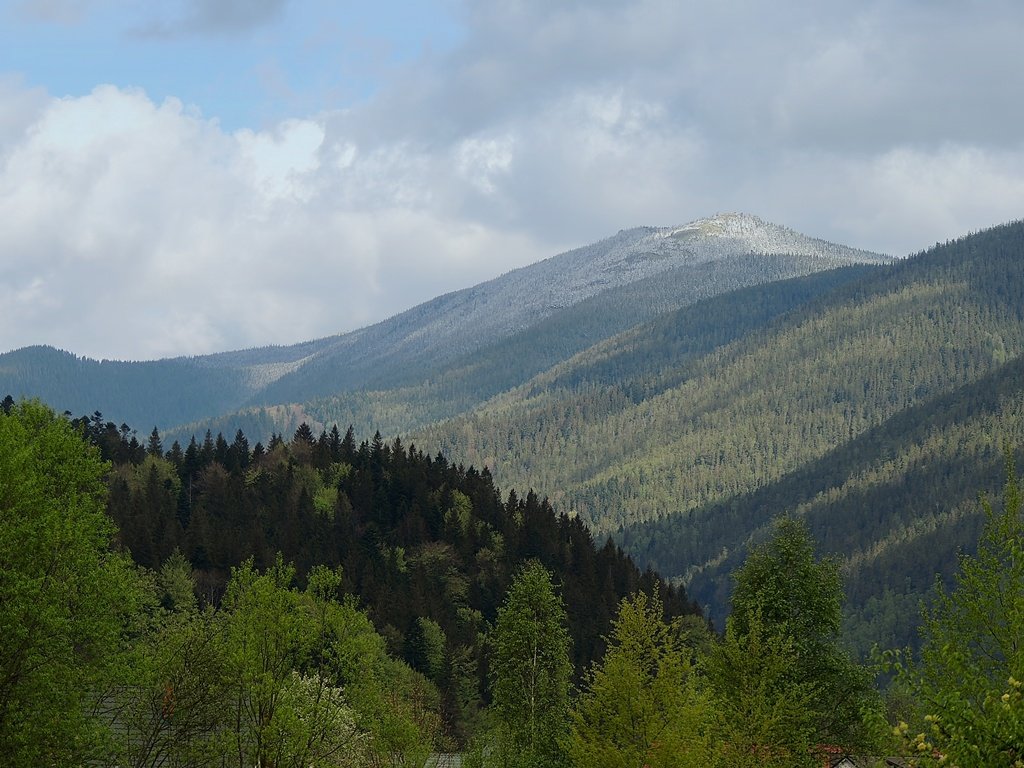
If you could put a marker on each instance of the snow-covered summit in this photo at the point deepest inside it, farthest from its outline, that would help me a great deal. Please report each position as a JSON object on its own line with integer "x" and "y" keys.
{"x": 462, "y": 321}
{"x": 639, "y": 253}
{"x": 729, "y": 231}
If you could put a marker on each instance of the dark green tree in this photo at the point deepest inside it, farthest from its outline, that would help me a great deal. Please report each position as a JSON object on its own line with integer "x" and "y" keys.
{"x": 154, "y": 447}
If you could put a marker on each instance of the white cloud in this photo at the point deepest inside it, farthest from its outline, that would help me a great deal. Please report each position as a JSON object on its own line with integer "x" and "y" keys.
{"x": 480, "y": 160}
{"x": 140, "y": 229}
{"x": 280, "y": 160}
{"x": 899, "y": 201}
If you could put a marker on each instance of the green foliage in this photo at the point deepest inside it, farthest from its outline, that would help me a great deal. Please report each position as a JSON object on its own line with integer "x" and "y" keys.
{"x": 764, "y": 707}
{"x": 780, "y": 677}
{"x": 642, "y": 705}
{"x": 171, "y": 704}
{"x": 970, "y": 677}
{"x": 530, "y": 672}
{"x": 429, "y": 547}
{"x": 426, "y": 649}
{"x": 286, "y": 707}
{"x": 460, "y": 512}
{"x": 783, "y": 584}
{"x": 274, "y": 677}
{"x": 65, "y": 597}
{"x": 176, "y": 585}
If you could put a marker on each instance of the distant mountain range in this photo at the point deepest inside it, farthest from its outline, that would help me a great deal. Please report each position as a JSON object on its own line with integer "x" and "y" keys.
{"x": 675, "y": 388}
{"x": 569, "y": 301}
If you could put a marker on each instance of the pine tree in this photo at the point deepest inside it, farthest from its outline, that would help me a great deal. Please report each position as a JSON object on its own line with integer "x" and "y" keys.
{"x": 154, "y": 447}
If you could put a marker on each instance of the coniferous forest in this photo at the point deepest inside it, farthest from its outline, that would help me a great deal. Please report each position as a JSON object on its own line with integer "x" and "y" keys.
{"x": 526, "y": 384}
{"x": 425, "y": 545}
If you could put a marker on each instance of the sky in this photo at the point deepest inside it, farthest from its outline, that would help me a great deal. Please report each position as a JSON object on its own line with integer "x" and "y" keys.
{"x": 193, "y": 176}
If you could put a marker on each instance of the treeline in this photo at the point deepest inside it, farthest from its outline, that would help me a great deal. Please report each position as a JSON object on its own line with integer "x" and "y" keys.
{"x": 428, "y": 547}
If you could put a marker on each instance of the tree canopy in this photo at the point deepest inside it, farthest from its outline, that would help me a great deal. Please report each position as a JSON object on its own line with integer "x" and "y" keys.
{"x": 65, "y": 596}
{"x": 780, "y": 670}
{"x": 530, "y": 671}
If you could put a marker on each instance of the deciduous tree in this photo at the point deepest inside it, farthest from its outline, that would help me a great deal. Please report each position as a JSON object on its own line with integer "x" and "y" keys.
{"x": 782, "y": 644}
{"x": 64, "y": 595}
{"x": 530, "y": 672}
{"x": 971, "y": 676}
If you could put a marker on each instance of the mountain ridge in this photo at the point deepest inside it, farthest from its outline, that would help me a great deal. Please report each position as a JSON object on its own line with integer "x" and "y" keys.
{"x": 424, "y": 338}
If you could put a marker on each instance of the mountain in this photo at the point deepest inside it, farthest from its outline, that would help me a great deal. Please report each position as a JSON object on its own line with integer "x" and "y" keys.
{"x": 675, "y": 389}
{"x": 876, "y": 409}
{"x": 446, "y": 355}
{"x": 656, "y": 263}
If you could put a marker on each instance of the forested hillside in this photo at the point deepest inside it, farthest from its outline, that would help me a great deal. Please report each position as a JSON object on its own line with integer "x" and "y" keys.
{"x": 140, "y": 392}
{"x": 656, "y": 434}
{"x": 871, "y": 399}
{"x": 428, "y": 547}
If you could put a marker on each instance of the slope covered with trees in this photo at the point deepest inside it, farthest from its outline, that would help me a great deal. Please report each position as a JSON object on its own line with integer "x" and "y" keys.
{"x": 681, "y": 450}
{"x": 112, "y": 664}
{"x": 429, "y": 547}
{"x": 139, "y": 392}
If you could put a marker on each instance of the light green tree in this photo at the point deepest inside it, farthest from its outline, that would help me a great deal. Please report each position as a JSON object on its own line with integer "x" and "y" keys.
{"x": 275, "y": 677}
{"x": 425, "y": 647}
{"x": 65, "y": 596}
{"x": 530, "y": 671}
{"x": 285, "y": 712}
{"x": 172, "y": 709}
{"x": 642, "y": 705}
{"x": 395, "y": 707}
{"x": 970, "y": 681}
{"x": 762, "y": 710}
{"x": 780, "y": 668}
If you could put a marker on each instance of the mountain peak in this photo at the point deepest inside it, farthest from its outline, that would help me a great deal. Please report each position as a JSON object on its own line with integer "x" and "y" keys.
{"x": 713, "y": 237}
{"x": 726, "y": 224}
